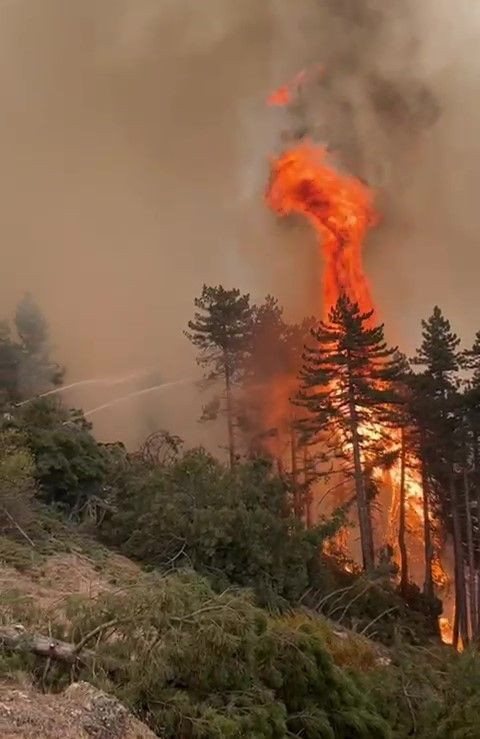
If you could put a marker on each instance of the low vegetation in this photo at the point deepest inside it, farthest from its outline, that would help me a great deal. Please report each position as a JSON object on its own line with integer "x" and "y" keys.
{"x": 195, "y": 593}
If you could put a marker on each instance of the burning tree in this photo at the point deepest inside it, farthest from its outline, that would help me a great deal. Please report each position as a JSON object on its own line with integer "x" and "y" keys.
{"x": 268, "y": 415}
{"x": 348, "y": 388}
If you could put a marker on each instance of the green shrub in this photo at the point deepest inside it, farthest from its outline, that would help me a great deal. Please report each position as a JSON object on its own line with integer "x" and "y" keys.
{"x": 194, "y": 663}
{"x": 234, "y": 527}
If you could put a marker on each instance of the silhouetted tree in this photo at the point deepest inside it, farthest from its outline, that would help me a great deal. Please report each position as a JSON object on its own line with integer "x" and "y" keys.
{"x": 221, "y": 329}
{"x": 437, "y": 406}
{"x": 10, "y": 357}
{"x": 347, "y": 385}
{"x": 36, "y": 371}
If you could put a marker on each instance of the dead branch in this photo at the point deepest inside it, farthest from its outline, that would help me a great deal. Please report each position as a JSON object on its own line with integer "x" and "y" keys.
{"x": 97, "y": 630}
{"x": 18, "y": 527}
{"x": 377, "y": 618}
{"x": 350, "y": 603}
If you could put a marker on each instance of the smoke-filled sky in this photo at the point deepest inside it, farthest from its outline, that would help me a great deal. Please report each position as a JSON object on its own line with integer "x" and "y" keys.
{"x": 134, "y": 143}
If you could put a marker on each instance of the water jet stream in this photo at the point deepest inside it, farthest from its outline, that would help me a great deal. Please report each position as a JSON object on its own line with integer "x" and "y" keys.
{"x": 92, "y": 381}
{"x": 135, "y": 394}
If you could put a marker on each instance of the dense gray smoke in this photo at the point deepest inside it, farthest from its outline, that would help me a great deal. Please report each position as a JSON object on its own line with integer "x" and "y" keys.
{"x": 134, "y": 143}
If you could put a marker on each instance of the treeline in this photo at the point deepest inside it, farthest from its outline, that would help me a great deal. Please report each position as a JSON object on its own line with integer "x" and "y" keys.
{"x": 322, "y": 400}
{"x": 226, "y": 622}
{"x": 355, "y": 405}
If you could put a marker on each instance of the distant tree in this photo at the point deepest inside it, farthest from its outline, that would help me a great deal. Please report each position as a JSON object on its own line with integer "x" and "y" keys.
{"x": 268, "y": 418}
{"x": 221, "y": 330}
{"x": 10, "y": 358}
{"x": 37, "y": 372}
{"x": 347, "y": 385}
{"x": 267, "y": 361}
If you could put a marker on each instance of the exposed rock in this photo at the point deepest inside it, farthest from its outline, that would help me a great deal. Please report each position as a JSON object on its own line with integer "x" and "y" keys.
{"x": 81, "y": 712}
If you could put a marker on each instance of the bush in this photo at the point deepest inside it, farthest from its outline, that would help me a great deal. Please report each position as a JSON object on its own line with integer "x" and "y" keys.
{"x": 70, "y": 465}
{"x": 17, "y": 487}
{"x": 234, "y": 527}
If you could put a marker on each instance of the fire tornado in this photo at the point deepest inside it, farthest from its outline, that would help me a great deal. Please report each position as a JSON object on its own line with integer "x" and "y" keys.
{"x": 340, "y": 208}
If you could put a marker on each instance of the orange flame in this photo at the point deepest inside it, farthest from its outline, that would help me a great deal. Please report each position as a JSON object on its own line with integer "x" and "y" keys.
{"x": 286, "y": 94}
{"x": 339, "y": 206}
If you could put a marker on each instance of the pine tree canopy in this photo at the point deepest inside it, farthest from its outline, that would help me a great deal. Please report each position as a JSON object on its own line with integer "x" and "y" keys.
{"x": 471, "y": 359}
{"x": 31, "y": 326}
{"x": 221, "y": 330}
{"x": 348, "y": 362}
{"x": 439, "y": 353}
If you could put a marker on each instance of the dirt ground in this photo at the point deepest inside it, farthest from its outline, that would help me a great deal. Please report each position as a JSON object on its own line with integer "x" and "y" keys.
{"x": 81, "y": 712}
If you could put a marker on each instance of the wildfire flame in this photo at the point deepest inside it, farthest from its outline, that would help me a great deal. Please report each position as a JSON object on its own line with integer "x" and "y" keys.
{"x": 286, "y": 94}
{"x": 341, "y": 209}
{"x": 339, "y": 206}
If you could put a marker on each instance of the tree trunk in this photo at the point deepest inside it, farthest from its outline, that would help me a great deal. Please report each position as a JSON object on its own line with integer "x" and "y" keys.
{"x": 427, "y": 530}
{"x": 402, "y": 522}
{"x": 16, "y": 639}
{"x": 228, "y": 397}
{"x": 366, "y": 533}
{"x": 471, "y": 555}
{"x": 308, "y": 492}
{"x": 476, "y": 477}
{"x": 460, "y": 590}
{"x": 297, "y": 503}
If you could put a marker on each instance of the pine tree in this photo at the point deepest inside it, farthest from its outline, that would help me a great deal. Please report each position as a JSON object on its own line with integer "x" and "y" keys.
{"x": 471, "y": 405}
{"x": 440, "y": 357}
{"x": 439, "y": 353}
{"x": 406, "y": 456}
{"x": 221, "y": 329}
{"x": 10, "y": 356}
{"x": 37, "y": 372}
{"x": 418, "y": 445}
{"x": 31, "y": 325}
{"x": 269, "y": 419}
{"x": 347, "y": 385}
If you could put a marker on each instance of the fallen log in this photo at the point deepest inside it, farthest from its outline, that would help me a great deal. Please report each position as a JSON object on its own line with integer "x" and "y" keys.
{"x": 16, "y": 639}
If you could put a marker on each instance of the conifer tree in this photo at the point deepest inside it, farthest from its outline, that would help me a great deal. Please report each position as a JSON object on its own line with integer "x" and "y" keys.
{"x": 471, "y": 404}
{"x": 269, "y": 419}
{"x": 348, "y": 381}
{"x": 440, "y": 357}
{"x": 417, "y": 443}
{"x": 37, "y": 372}
{"x": 407, "y": 439}
{"x": 10, "y": 356}
{"x": 221, "y": 330}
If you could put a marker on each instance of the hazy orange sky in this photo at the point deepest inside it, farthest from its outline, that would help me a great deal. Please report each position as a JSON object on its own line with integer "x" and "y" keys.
{"x": 134, "y": 143}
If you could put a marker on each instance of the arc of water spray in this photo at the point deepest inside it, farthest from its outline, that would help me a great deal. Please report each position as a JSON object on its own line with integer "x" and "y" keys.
{"x": 135, "y": 394}
{"x": 92, "y": 381}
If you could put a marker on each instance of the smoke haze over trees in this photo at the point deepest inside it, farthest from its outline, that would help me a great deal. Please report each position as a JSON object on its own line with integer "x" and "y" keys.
{"x": 116, "y": 111}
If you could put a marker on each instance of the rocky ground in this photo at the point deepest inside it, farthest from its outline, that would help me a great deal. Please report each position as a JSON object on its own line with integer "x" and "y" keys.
{"x": 81, "y": 712}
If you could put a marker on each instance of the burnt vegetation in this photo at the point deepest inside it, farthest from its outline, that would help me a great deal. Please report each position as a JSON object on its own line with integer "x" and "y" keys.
{"x": 249, "y": 615}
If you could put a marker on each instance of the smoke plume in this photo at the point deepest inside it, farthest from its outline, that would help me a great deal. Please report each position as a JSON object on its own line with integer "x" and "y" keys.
{"x": 135, "y": 145}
